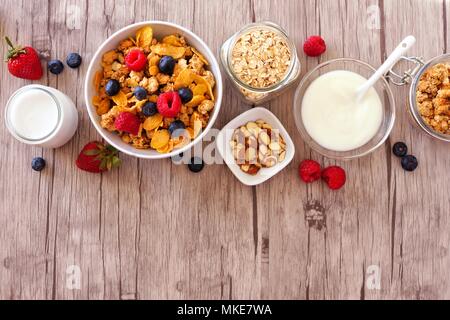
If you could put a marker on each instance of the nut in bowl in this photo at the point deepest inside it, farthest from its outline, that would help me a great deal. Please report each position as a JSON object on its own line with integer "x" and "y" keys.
{"x": 148, "y": 82}
{"x": 255, "y": 146}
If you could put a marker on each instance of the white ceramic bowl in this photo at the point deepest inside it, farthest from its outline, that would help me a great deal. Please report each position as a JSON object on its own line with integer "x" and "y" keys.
{"x": 225, "y": 136}
{"x": 160, "y": 29}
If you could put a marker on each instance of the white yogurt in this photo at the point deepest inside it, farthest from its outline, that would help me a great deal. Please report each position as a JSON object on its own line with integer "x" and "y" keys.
{"x": 333, "y": 117}
{"x": 42, "y": 116}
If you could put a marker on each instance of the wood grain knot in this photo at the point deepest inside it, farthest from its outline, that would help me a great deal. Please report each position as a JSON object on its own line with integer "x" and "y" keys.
{"x": 315, "y": 214}
{"x": 180, "y": 286}
{"x": 7, "y": 263}
{"x": 265, "y": 250}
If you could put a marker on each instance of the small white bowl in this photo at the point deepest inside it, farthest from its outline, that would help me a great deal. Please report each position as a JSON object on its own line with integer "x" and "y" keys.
{"x": 160, "y": 29}
{"x": 225, "y": 136}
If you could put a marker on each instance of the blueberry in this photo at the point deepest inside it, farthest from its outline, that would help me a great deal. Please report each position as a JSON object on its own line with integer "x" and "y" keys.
{"x": 196, "y": 164}
{"x": 38, "y": 164}
{"x": 186, "y": 94}
{"x": 149, "y": 109}
{"x": 55, "y": 66}
{"x": 140, "y": 93}
{"x": 166, "y": 65}
{"x": 176, "y": 127}
{"x": 409, "y": 163}
{"x": 112, "y": 87}
{"x": 400, "y": 149}
{"x": 73, "y": 60}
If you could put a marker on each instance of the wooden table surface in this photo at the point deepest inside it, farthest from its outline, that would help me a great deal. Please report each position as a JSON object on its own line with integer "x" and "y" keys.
{"x": 153, "y": 230}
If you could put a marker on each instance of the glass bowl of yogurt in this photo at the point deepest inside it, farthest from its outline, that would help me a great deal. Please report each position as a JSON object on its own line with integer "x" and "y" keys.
{"x": 330, "y": 117}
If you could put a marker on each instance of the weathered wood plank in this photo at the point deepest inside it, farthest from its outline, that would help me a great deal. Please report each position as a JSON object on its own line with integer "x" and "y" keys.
{"x": 421, "y": 209}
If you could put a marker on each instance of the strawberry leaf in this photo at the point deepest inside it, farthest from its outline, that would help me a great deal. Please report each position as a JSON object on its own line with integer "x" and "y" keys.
{"x": 109, "y": 164}
{"x": 116, "y": 162}
{"x": 111, "y": 149}
{"x": 103, "y": 164}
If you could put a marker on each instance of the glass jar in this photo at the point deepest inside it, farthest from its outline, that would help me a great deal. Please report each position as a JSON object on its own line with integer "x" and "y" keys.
{"x": 258, "y": 95}
{"x": 413, "y": 108}
{"x": 41, "y": 116}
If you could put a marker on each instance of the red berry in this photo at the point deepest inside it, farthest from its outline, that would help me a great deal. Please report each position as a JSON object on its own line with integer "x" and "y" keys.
{"x": 169, "y": 104}
{"x": 95, "y": 157}
{"x": 314, "y": 46}
{"x": 128, "y": 122}
{"x": 23, "y": 63}
{"x": 309, "y": 171}
{"x": 335, "y": 177}
{"x": 136, "y": 60}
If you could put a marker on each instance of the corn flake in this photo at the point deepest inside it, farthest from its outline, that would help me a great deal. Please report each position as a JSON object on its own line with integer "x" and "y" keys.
{"x": 196, "y": 100}
{"x": 201, "y": 57}
{"x": 120, "y": 99}
{"x": 103, "y": 107}
{"x": 172, "y": 40}
{"x": 200, "y": 80}
{"x": 140, "y": 104}
{"x": 200, "y": 90}
{"x": 187, "y": 77}
{"x": 166, "y": 149}
{"x": 144, "y": 37}
{"x": 153, "y": 122}
{"x": 160, "y": 139}
{"x": 184, "y": 79}
{"x": 164, "y": 49}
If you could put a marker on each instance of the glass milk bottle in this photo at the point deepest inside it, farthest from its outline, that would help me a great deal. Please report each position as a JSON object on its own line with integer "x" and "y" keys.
{"x": 41, "y": 116}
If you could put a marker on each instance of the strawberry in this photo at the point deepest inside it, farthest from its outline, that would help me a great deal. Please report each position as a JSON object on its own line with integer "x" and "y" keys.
{"x": 335, "y": 177}
{"x": 128, "y": 122}
{"x": 314, "y": 46}
{"x": 23, "y": 63}
{"x": 309, "y": 171}
{"x": 96, "y": 158}
{"x": 169, "y": 104}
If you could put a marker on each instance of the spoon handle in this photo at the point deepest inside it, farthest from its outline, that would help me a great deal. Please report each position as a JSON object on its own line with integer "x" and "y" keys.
{"x": 393, "y": 58}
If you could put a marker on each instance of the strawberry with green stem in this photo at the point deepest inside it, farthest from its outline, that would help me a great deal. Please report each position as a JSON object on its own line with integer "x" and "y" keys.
{"x": 23, "y": 62}
{"x": 97, "y": 157}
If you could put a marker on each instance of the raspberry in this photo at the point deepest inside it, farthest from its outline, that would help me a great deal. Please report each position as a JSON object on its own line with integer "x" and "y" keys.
{"x": 127, "y": 122}
{"x": 309, "y": 171}
{"x": 136, "y": 60}
{"x": 169, "y": 104}
{"x": 335, "y": 177}
{"x": 314, "y": 46}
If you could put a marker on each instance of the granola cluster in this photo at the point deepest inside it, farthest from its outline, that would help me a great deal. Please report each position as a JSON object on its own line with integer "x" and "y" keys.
{"x": 433, "y": 97}
{"x": 257, "y": 145}
{"x": 140, "y": 89}
{"x": 261, "y": 58}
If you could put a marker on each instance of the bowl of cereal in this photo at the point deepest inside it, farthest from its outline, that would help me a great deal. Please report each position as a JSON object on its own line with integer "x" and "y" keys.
{"x": 153, "y": 90}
